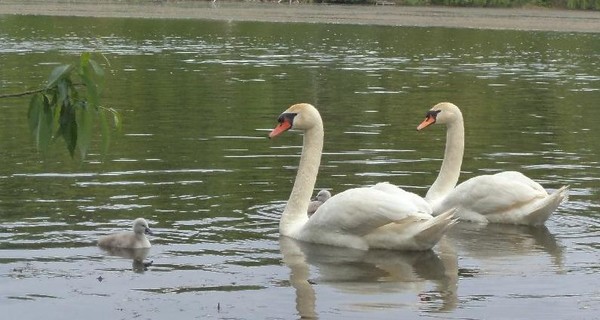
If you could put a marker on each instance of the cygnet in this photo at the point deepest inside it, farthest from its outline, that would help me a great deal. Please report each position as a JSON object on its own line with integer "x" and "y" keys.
{"x": 135, "y": 239}
{"x": 316, "y": 202}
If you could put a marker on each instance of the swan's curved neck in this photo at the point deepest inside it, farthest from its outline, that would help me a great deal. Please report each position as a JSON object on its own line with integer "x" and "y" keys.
{"x": 294, "y": 215}
{"x": 453, "y": 155}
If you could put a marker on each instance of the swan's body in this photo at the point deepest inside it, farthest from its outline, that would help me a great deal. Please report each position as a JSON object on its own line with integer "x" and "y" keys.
{"x": 381, "y": 216}
{"x": 505, "y": 197}
{"x": 314, "y": 204}
{"x": 135, "y": 239}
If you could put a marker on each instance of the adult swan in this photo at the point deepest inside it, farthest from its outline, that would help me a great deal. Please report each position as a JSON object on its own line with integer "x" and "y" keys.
{"x": 505, "y": 197}
{"x": 382, "y": 216}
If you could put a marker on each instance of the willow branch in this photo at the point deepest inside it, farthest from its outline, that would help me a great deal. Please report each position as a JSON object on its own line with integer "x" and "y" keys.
{"x": 20, "y": 94}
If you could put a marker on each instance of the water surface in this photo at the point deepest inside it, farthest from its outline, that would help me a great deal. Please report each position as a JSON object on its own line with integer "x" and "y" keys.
{"x": 199, "y": 98}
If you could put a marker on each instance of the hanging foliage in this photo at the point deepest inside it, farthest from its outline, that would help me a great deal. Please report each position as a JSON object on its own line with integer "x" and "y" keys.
{"x": 62, "y": 110}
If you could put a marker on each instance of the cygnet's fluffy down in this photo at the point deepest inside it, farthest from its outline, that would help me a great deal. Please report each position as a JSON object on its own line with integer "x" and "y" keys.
{"x": 135, "y": 239}
{"x": 316, "y": 202}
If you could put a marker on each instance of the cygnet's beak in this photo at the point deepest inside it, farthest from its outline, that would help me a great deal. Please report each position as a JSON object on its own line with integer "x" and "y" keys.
{"x": 148, "y": 231}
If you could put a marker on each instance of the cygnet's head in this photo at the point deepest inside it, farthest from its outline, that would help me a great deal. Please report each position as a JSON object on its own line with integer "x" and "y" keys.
{"x": 140, "y": 226}
{"x": 323, "y": 195}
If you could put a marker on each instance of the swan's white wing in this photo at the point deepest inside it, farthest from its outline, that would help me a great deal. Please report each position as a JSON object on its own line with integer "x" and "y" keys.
{"x": 359, "y": 211}
{"x": 519, "y": 177}
{"x": 396, "y": 191}
{"x": 492, "y": 194}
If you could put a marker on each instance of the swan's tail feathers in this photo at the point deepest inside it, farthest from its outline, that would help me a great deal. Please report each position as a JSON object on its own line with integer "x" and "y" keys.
{"x": 433, "y": 230}
{"x": 564, "y": 193}
{"x": 546, "y": 206}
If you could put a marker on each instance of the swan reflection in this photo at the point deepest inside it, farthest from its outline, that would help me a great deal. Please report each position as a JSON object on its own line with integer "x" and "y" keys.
{"x": 501, "y": 242}
{"x": 365, "y": 272}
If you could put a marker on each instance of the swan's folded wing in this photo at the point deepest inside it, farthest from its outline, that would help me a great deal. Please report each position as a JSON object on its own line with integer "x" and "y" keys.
{"x": 396, "y": 191}
{"x": 492, "y": 194}
{"x": 359, "y": 211}
{"x": 519, "y": 177}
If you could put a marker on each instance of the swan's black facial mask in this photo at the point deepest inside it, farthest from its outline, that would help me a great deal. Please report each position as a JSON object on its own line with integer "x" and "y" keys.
{"x": 286, "y": 121}
{"x": 432, "y": 114}
{"x": 430, "y": 119}
{"x": 287, "y": 117}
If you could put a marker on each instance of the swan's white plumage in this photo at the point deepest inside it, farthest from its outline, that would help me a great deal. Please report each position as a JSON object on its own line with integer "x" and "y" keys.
{"x": 505, "y": 197}
{"x": 420, "y": 204}
{"x": 382, "y": 216}
{"x": 362, "y": 210}
{"x": 135, "y": 239}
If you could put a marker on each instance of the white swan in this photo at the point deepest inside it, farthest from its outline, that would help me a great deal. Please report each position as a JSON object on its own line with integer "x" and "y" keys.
{"x": 360, "y": 218}
{"x": 128, "y": 239}
{"x": 315, "y": 203}
{"x": 505, "y": 197}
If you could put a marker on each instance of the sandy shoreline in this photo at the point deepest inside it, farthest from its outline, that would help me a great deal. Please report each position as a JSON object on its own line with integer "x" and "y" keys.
{"x": 391, "y": 15}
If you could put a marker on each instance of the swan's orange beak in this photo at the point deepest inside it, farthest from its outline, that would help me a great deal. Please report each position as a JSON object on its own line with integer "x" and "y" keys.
{"x": 281, "y": 128}
{"x": 429, "y": 120}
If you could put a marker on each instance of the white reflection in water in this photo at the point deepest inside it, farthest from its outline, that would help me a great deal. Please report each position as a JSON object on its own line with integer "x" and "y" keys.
{"x": 369, "y": 273}
{"x": 137, "y": 256}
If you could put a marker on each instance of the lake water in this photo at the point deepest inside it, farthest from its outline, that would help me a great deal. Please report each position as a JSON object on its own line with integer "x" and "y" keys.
{"x": 198, "y": 99}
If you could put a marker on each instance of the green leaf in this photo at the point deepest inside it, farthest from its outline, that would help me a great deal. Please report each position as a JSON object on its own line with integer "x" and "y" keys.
{"x": 63, "y": 91}
{"x": 98, "y": 70}
{"x": 105, "y": 130}
{"x": 91, "y": 89}
{"x": 117, "y": 120}
{"x": 105, "y": 114}
{"x": 85, "y": 124}
{"x": 40, "y": 121}
{"x": 92, "y": 75}
{"x": 68, "y": 128}
{"x": 57, "y": 74}
{"x": 84, "y": 58}
{"x": 57, "y": 110}
{"x": 36, "y": 105}
{"x": 98, "y": 73}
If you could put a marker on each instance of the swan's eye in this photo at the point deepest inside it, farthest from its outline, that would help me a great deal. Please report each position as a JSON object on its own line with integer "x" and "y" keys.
{"x": 432, "y": 114}
{"x": 287, "y": 117}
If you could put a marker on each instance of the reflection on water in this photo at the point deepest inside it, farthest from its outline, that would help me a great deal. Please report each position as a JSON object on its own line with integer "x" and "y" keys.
{"x": 489, "y": 242}
{"x": 371, "y": 272}
{"x": 137, "y": 256}
{"x": 198, "y": 99}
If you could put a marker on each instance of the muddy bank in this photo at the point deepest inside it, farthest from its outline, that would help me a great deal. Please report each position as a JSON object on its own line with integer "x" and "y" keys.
{"x": 392, "y": 15}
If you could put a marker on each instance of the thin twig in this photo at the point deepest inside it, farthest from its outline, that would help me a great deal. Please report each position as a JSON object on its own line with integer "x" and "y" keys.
{"x": 20, "y": 94}
{"x": 12, "y": 95}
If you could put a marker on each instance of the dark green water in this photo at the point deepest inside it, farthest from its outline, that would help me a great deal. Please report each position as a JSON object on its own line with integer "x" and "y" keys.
{"x": 198, "y": 99}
